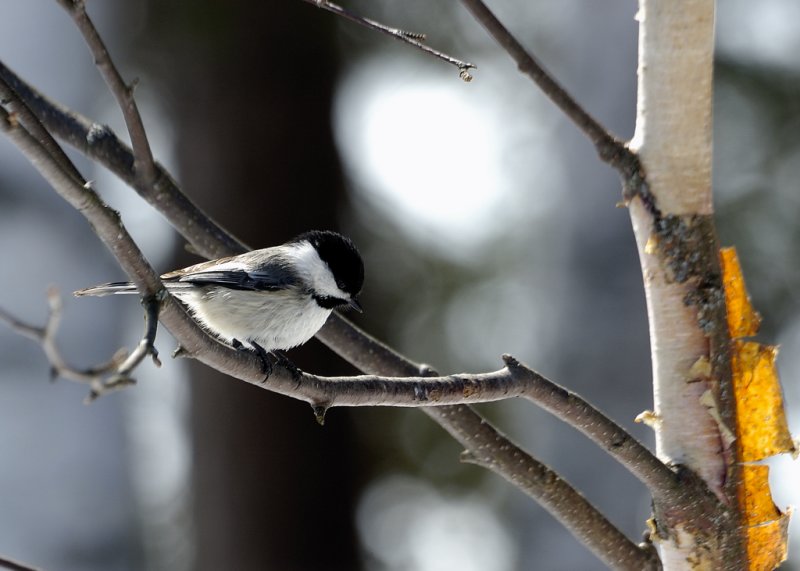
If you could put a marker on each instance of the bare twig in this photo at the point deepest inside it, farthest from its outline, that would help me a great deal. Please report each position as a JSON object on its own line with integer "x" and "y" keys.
{"x": 147, "y": 344}
{"x": 144, "y": 165}
{"x": 122, "y": 375}
{"x": 402, "y": 35}
{"x": 611, "y": 150}
{"x": 96, "y": 377}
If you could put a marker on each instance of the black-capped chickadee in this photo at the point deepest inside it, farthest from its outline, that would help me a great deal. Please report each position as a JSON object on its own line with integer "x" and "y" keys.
{"x": 270, "y": 299}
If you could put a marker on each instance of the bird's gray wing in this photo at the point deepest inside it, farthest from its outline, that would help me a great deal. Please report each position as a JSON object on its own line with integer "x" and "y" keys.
{"x": 269, "y": 277}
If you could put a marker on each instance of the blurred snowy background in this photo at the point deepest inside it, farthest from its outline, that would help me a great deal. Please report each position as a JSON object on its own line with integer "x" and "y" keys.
{"x": 487, "y": 225}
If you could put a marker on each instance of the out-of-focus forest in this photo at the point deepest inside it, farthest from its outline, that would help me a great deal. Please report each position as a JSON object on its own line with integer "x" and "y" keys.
{"x": 487, "y": 225}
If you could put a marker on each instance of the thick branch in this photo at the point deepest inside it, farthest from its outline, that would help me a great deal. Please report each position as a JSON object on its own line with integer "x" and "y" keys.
{"x": 402, "y": 35}
{"x": 144, "y": 165}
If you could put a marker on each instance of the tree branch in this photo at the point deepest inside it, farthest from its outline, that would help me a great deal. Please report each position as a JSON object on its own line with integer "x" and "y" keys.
{"x": 16, "y": 105}
{"x": 78, "y": 193}
{"x": 95, "y": 377}
{"x": 610, "y": 149}
{"x": 402, "y": 35}
{"x": 144, "y": 165}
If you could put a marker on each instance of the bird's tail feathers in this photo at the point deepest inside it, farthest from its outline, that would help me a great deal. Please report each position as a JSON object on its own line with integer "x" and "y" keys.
{"x": 107, "y": 289}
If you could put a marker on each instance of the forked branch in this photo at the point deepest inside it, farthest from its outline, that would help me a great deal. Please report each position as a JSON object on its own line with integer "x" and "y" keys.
{"x": 102, "y": 379}
{"x": 98, "y": 377}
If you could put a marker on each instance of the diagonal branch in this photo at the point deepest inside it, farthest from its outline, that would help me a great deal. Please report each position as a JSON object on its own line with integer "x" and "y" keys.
{"x": 10, "y": 99}
{"x": 547, "y": 488}
{"x": 402, "y": 35}
{"x": 610, "y": 149}
{"x": 144, "y": 165}
{"x": 514, "y": 380}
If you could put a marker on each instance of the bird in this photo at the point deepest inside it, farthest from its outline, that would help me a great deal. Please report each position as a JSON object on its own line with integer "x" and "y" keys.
{"x": 266, "y": 300}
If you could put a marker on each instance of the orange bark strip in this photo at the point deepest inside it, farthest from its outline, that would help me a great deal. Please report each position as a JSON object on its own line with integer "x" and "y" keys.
{"x": 743, "y": 320}
{"x": 766, "y": 527}
{"x": 761, "y": 423}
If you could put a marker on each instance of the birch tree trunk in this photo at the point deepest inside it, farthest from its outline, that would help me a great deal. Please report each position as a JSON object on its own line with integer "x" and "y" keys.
{"x": 676, "y": 239}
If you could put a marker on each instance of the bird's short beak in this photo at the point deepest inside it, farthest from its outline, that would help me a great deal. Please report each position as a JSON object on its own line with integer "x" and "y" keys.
{"x": 355, "y": 305}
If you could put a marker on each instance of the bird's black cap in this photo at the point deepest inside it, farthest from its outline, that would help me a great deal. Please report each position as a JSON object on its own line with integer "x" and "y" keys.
{"x": 342, "y": 258}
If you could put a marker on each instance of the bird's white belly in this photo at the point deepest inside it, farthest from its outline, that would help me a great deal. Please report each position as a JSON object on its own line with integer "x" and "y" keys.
{"x": 274, "y": 320}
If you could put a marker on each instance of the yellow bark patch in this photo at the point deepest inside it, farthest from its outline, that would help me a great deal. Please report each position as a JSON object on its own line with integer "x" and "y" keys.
{"x": 761, "y": 427}
{"x": 743, "y": 320}
{"x": 761, "y": 423}
{"x": 767, "y": 526}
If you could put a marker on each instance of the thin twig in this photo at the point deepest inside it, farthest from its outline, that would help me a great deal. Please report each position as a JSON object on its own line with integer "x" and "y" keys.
{"x": 611, "y": 150}
{"x": 95, "y": 377}
{"x": 122, "y": 374}
{"x": 398, "y": 34}
{"x": 144, "y": 165}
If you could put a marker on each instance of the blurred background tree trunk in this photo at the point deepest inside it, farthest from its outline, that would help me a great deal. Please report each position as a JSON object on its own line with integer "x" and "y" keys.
{"x": 255, "y": 148}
